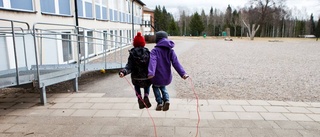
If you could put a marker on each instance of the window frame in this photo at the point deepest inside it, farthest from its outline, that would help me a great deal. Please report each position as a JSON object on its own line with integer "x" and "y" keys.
{"x": 83, "y": 12}
{"x": 101, "y": 9}
{"x": 58, "y": 9}
{"x": 69, "y": 47}
{"x": 7, "y": 5}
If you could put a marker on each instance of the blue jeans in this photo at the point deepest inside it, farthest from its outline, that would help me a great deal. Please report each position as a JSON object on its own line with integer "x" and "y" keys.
{"x": 138, "y": 91}
{"x": 160, "y": 93}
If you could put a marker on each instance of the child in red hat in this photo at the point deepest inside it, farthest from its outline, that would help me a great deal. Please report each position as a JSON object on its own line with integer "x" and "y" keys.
{"x": 137, "y": 65}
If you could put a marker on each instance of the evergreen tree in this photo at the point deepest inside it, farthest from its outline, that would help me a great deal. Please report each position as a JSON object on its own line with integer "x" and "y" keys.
{"x": 318, "y": 30}
{"x": 204, "y": 20}
{"x": 182, "y": 23}
{"x": 157, "y": 18}
{"x": 300, "y": 27}
{"x": 228, "y": 17}
{"x": 312, "y": 26}
{"x": 196, "y": 25}
{"x": 173, "y": 29}
{"x": 236, "y": 23}
{"x": 210, "y": 24}
{"x": 165, "y": 19}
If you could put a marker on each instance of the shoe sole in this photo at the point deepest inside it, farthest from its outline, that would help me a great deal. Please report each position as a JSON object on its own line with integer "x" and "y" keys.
{"x": 166, "y": 106}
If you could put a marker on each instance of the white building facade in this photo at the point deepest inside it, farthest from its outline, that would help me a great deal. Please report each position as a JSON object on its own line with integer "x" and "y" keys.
{"x": 148, "y": 21}
{"x": 106, "y": 16}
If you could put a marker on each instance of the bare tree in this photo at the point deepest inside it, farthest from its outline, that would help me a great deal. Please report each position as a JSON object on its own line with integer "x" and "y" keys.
{"x": 252, "y": 31}
{"x": 265, "y": 8}
{"x": 247, "y": 19}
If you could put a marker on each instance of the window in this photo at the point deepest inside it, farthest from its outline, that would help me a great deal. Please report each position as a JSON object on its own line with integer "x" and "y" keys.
{"x": 88, "y": 9}
{"x": 111, "y": 15}
{"x": 85, "y": 8}
{"x": 66, "y": 47}
{"x": 47, "y": 6}
{"x": 104, "y": 13}
{"x": 90, "y": 42}
{"x": 116, "y": 37}
{"x": 60, "y": 7}
{"x": 129, "y": 6}
{"x": 116, "y": 15}
{"x": 17, "y": 4}
{"x": 82, "y": 45}
{"x": 101, "y": 9}
{"x": 112, "y": 38}
{"x": 98, "y": 11}
{"x": 80, "y": 8}
{"x": 105, "y": 40}
{"x": 104, "y": 9}
{"x": 64, "y": 7}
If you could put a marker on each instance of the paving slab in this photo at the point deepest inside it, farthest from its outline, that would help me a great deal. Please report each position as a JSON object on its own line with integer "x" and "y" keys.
{"x": 298, "y": 110}
{"x": 237, "y": 132}
{"x": 278, "y": 103}
{"x": 310, "y": 125}
{"x": 258, "y": 103}
{"x": 287, "y": 133}
{"x": 314, "y": 110}
{"x": 97, "y": 115}
{"x": 232, "y": 108}
{"x": 289, "y": 125}
{"x": 238, "y": 102}
{"x": 249, "y": 116}
{"x": 276, "y": 109}
{"x": 273, "y": 116}
{"x": 298, "y": 117}
{"x": 315, "y": 117}
{"x": 225, "y": 115}
{"x": 262, "y": 132}
{"x": 254, "y": 108}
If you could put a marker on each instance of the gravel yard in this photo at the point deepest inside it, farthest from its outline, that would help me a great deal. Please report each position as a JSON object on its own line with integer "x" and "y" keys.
{"x": 288, "y": 70}
{"x": 251, "y": 70}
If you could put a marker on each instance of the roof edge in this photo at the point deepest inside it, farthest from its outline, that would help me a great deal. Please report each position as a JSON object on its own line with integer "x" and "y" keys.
{"x": 140, "y": 2}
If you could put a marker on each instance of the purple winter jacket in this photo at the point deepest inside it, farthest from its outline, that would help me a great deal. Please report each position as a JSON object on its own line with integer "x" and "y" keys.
{"x": 161, "y": 58}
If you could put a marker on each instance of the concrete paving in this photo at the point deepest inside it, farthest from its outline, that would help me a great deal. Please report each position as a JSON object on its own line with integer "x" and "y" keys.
{"x": 93, "y": 114}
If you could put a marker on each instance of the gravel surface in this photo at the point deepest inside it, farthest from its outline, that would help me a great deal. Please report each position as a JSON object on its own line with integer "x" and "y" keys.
{"x": 263, "y": 69}
{"x": 288, "y": 70}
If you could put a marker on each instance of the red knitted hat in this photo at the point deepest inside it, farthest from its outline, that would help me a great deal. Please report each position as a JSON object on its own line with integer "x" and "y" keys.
{"x": 138, "y": 40}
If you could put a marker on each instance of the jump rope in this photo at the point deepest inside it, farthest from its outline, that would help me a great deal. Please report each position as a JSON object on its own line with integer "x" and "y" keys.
{"x": 154, "y": 125}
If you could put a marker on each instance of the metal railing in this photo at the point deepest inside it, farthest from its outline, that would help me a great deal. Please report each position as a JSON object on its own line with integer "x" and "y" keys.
{"x": 57, "y": 53}
{"x": 13, "y": 31}
{"x": 85, "y": 47}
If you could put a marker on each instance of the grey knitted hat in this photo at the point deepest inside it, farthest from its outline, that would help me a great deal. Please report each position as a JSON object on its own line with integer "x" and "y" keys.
{"x": 160, "y": 35}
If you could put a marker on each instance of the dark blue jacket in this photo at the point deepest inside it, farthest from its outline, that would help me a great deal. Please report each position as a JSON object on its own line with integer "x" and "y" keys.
{"x": 138, "y": 66}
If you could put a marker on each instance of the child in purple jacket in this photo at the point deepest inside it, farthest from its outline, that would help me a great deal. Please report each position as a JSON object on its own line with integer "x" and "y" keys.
{"x": 159, "y": 69}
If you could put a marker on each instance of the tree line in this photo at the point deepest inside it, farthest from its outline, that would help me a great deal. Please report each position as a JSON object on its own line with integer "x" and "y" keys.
{"x": 262, "y": 18}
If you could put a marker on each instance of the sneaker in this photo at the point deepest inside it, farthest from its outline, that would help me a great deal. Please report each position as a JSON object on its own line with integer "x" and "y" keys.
{"x": 141, "y": 105}
{"x": 166, "y": 106}
{"x": 146, "y": 100}
{"x": 159, "y": 107}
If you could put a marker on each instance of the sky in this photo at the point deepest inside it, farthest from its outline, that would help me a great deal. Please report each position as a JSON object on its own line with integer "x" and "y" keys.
{"x": 173, "y": 6}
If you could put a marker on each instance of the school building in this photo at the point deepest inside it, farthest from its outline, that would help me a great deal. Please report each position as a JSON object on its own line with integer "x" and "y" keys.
{"x": 45, "y": 42}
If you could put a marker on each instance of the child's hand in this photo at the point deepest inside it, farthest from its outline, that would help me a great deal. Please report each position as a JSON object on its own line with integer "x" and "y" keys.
{"x": 150, "y": 77}
{"x": 185, "y": 76}
{"x": 121, "y": 75}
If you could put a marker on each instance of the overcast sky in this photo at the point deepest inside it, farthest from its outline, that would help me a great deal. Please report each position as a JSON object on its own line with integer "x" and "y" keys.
{"x": 173, "y": 6}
